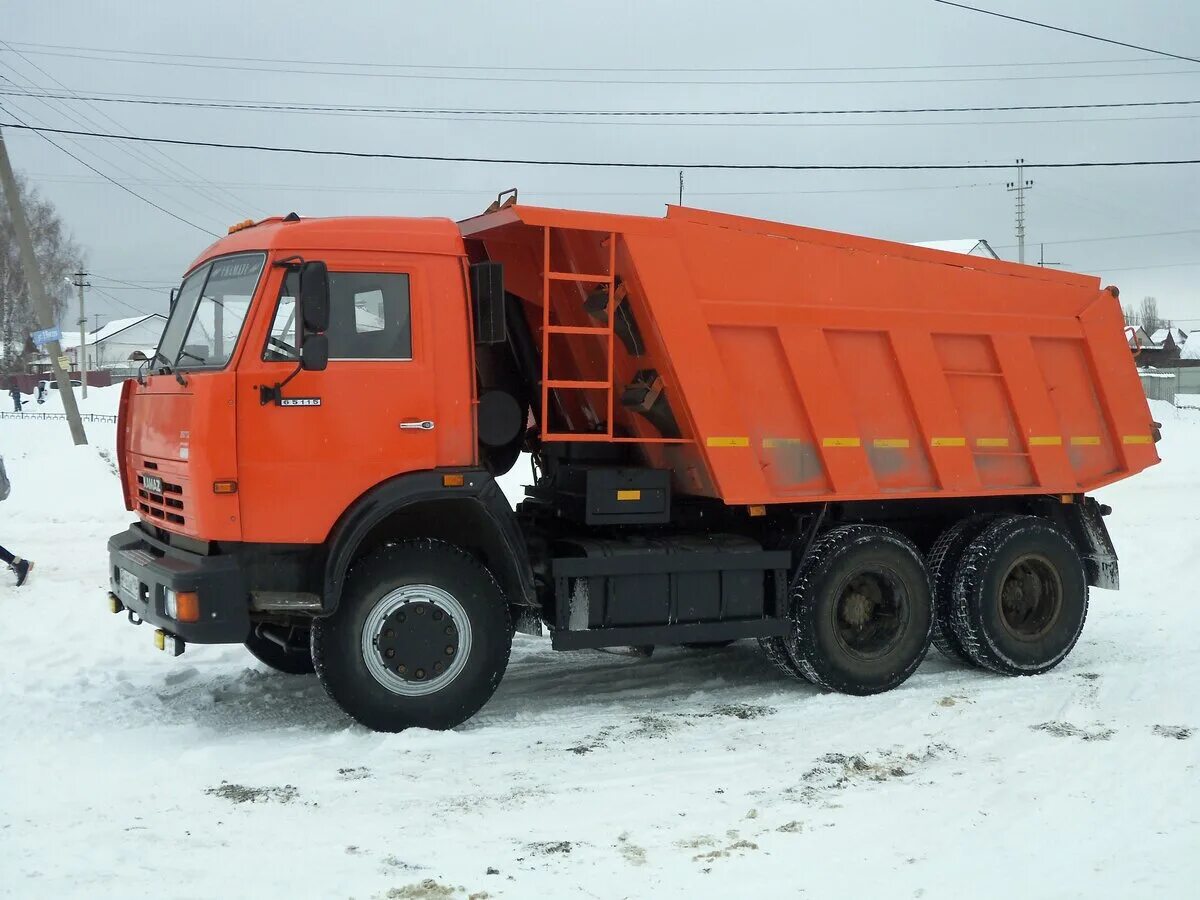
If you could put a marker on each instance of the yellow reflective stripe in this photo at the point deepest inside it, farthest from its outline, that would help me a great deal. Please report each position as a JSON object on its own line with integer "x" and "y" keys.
{"x": 841, "y": 442}
{"x": 1046, "y": 440}
{"x": 783, "y": 442}
{"x": 948, "y": 442}
{"x": 1085, "y": 440}
{"x": 629, "y": 495}
{"x": 991, "y": 442}
{"x": 728, "y": 442}
{"x": 1136, "y": 439}
{"x": 890, "y": 443}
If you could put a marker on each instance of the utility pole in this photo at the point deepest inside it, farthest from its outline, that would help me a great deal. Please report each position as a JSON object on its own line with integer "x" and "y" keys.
{"x": 1042, "y": 257}
{"x": 1021, "y": 185}
{"x": 37, "y": 293}
{"x": 82, "y": 354}
{"x": 681, "y": 187}
{"x": 96, "y": 316}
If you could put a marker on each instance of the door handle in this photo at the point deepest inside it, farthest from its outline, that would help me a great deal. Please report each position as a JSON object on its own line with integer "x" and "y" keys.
{"x": 417, "y": 425}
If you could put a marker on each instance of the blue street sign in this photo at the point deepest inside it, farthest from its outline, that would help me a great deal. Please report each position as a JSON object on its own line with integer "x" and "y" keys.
{"x": 47, "y": 335}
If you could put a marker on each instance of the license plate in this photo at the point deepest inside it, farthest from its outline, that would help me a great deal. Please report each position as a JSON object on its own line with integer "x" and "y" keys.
{"x": 131, "y": 587}
{"x": 152, "y": 483}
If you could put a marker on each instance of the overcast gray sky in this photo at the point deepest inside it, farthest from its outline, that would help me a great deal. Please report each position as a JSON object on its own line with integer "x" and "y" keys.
{"x": 943, "y": 57}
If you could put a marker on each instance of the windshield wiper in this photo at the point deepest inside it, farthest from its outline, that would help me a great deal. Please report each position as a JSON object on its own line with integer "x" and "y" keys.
{"x": 166, "y": 368}
{"x": 199, "y": 359}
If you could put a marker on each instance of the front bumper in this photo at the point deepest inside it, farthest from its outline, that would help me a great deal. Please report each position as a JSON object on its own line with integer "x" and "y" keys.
{"x": 157, "y": 567}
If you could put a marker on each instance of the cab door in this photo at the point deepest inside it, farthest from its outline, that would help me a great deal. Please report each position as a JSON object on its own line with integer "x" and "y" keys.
{"x": 371, "y": 414}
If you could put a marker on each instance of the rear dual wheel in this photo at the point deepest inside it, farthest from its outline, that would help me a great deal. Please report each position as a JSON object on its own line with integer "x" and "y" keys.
{"x": 862, "y": 612}
{"x": 1020, "y": 597}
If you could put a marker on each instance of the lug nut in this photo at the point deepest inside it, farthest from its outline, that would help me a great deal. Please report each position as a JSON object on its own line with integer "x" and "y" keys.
{"x": 450, "y": 630}
{"x": 402, "y": 668}
{"x": 437, "y": 615}
{"x": 420, "y": 673}
{"x": 389, "y": 633}
{"x": 390, "y": 653}
{"x": 420, "y": 610}
{"x": 449, "y": 649}
{"x": 437, "y": 667}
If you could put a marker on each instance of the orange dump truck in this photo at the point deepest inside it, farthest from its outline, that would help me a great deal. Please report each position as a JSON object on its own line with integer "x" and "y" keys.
{"x": 845, "y": 448}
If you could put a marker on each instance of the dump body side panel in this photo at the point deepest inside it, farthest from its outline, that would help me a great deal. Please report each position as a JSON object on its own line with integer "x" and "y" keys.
{"x": 803, "y": 365}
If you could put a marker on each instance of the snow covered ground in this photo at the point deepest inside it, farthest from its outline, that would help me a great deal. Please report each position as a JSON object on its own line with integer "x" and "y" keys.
{"x": 126, "y": 773}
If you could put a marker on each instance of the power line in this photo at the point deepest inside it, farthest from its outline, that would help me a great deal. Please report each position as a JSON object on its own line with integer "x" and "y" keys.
{"x": 601, "y": 164}
{"x": 118, "y": 300}
{"x": 488, "y": 191}
{"x": 225, "y": 67}
{"x": 1082, "y": 34}
{"x": 84, "y": 121}
{"x": 268, "y": 105}
{"x": 40, "y": 133}
{"x": 137, "y": 285}
{"x": 144, "y": 157}
{"x": 440, "y": 66}
{"x": 1119, "y": 237}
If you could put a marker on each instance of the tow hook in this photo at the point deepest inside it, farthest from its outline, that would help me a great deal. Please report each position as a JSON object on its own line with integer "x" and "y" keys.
{"x": 134, "y": 618}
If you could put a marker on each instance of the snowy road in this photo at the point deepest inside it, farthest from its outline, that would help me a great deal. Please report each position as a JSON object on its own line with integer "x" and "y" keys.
{"x": 126, "y": 773}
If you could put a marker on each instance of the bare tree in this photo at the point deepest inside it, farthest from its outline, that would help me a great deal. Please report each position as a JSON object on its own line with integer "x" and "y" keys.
{"x": 1131, "y": 316}
{"x": 1149, "y": 315}
{"x": 58, "y": 257}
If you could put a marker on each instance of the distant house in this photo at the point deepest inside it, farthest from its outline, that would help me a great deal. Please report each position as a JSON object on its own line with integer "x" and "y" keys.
{"x": 1136, "y": 337}
{"x": 1163, "y": 347}
{"x": 966, "y": 246}
{"x": 1191, "y": 347}
{"x": 121, "y": 344}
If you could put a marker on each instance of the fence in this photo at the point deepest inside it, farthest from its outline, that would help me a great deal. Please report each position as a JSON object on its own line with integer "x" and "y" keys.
{"x": 57, "y": 417}
{"x": 1168, "y": 383}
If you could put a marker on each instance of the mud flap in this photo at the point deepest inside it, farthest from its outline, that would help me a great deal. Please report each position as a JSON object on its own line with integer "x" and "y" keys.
{"x": 1095, "y": 545}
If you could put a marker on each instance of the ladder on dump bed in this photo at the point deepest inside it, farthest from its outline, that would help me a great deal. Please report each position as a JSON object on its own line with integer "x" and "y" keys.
{"x": 606, "y": 333}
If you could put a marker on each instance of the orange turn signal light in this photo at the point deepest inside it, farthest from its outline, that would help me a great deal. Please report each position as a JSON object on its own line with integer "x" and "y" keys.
{"x": 239, "y": 226}
{"x": 187, "y": 606}
{"x": 224, "y": 487}
{"x": 454, "y": 480}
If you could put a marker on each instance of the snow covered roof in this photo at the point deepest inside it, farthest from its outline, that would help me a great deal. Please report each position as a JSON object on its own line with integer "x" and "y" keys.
{"x": 70, "y": 339}
{"x": 969, "y": 246}
{"x": 1191, "y": 347}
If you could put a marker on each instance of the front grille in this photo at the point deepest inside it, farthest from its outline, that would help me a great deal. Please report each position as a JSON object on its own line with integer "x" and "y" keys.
{"x": 167, "y": 505}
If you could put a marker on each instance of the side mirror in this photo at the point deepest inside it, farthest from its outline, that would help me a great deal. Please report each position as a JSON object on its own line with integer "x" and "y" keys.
{"x": 487, "y": 297}
{"x": 314, "y": 355}
{"x": 314, "y": 297}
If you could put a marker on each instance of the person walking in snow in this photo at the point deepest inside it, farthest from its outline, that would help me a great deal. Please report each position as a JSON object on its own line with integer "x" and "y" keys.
{"x": 20, "y": 567}
{"x": 41, "y": 392}
{"x": 15, "y": 393}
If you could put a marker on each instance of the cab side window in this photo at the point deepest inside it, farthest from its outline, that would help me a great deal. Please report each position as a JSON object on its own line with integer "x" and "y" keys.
{"x": 369, "y": 317}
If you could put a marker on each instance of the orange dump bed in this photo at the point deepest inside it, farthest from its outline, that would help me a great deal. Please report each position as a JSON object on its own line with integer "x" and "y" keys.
{"x": 805, "y": 365}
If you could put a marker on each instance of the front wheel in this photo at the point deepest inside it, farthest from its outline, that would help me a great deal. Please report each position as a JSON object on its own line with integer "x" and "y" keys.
{"x": 420, "y": 639}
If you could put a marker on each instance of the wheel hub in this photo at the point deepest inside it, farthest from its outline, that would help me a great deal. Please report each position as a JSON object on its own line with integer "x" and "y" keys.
{"x": 416, "y": 640}
{"x": 870, "y": 613}
{"x": 1030, "y": 598}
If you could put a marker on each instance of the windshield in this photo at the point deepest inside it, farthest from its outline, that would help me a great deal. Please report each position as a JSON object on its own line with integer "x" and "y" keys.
{"x": 209, "y": 312}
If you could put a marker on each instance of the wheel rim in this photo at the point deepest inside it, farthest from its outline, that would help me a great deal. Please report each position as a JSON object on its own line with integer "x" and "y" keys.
{"x": 1031, "y": 596}
{"x": 871, "y": 613}
{"x": 416, "y": 640}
